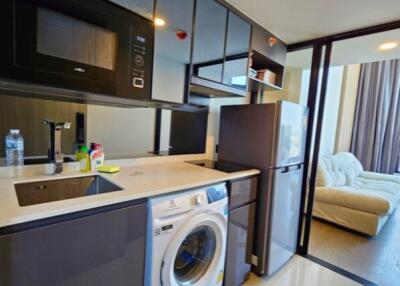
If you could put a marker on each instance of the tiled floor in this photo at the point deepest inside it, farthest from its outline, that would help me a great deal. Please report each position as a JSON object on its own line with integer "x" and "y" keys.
{"x": 302, "y": 272}
{"x": 376, "y": 259}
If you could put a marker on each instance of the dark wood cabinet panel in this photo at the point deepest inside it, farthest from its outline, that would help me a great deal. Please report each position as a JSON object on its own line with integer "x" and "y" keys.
{"x": 240, "y": 243}
{"x": 101, "y": 249}
{"x": 260, "y": 43}
{"x": 242, "y": 192}
{"x": 242, "y": 196}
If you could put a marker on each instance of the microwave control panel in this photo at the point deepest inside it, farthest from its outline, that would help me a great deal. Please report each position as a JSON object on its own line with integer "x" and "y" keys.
{"x": 135, "y": 81}
{"x": 138, "y": 61}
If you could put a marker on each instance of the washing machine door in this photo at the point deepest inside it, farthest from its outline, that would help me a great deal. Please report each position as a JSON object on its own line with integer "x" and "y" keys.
{"x": 196, "y": 254}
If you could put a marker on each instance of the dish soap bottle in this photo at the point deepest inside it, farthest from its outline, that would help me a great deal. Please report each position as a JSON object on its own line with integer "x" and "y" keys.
{"x": 83, "y": 159}
{"x": 96, "y": 156}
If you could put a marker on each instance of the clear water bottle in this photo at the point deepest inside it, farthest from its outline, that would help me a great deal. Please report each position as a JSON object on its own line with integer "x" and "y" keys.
{"x": 15, "y": 151}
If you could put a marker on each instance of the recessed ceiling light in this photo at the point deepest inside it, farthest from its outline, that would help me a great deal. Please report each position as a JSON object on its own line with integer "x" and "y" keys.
{"x": 388, "y": 46}
{"x": 159, "y": 22}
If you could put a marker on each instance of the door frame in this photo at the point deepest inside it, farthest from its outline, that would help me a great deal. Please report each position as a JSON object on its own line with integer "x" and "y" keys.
{"x": 317, "y": 97}
{"x": 321, "y": 51}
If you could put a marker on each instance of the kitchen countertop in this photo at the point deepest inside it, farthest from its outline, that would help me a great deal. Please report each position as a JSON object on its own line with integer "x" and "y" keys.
{"x": 140, "y": 181}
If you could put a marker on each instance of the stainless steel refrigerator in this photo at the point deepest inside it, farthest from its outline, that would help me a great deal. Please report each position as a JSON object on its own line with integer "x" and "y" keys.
{"x": 269, "y": 137}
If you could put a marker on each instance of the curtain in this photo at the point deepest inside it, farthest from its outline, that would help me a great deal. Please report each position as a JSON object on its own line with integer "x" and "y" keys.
{"x": 376, "y": 130}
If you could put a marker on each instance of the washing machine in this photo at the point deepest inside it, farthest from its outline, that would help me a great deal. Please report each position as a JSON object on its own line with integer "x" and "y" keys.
{"x": 186, "y": 239}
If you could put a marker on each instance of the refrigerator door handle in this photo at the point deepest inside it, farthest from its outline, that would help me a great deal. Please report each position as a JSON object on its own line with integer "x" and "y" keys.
{"x": 285, "y": 170}
{"x": 295, "y": 168}
{"x": 288, "y": 169}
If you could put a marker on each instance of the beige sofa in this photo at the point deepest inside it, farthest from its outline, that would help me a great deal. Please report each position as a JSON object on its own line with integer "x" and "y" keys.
{"x": 351, "y": 197}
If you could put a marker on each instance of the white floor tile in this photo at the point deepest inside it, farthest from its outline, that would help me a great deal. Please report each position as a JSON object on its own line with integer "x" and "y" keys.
{"x": 302, "y": 272}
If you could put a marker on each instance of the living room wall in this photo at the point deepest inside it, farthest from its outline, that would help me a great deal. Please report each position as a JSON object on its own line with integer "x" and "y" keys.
{"x": 331, "y": 114}
{"x": 295, "y": 87}
{"x": 348, "y": 100}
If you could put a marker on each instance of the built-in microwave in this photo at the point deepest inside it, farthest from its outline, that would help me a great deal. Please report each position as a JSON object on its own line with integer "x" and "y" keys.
{"x": 85, "y": 45}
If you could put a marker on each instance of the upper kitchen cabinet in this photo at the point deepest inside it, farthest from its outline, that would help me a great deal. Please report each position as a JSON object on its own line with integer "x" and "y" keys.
{"x": 208, "y": 50}
{"x": 143, "y": 7}
{"x": 237, "y": 52}
{"x": 172, "y": 52}
{"x": 268, "y": 56}
{"x": 268, "y": 45}
{"x": 220, "y": 52}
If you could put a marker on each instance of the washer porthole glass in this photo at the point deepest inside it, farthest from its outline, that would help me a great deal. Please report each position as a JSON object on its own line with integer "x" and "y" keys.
{"x": 195, "y": 255}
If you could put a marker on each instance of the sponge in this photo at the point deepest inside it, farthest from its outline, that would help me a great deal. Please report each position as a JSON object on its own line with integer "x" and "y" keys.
{"x": 108, "y": 169}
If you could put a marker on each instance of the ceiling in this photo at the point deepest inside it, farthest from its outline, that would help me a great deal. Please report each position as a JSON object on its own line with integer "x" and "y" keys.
{"x": 352, "y": 51}
{"x": 365, "y": 49}
{"x": 295, "y": 21}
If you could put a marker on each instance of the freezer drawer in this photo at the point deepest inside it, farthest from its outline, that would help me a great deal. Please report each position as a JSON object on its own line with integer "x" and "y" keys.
{"x": 284, "y": 220}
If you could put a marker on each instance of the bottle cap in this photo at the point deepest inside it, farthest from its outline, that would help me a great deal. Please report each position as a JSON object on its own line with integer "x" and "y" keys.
{"x": 84, "y": 149}
{"x": 14, "y": 131}
{"x": 95, "y": 146}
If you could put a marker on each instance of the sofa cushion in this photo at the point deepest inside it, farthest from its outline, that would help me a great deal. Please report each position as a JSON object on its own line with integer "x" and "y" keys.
{"x": 338, "y": 170}
{"x": 330, "y": 172}
{"x": 377, "y": 197}
{"x": 380, "y": 177}
{"x": 351, "y": 166}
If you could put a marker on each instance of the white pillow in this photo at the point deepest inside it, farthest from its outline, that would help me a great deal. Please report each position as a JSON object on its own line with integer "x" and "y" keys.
{"x": 351, "y": 166}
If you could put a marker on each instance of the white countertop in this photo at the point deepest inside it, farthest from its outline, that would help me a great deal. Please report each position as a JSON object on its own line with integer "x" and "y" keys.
{"x": 140, "y": 181}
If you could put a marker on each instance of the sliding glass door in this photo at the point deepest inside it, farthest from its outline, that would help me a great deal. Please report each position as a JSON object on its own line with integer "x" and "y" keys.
{"x": 352, "y": 156}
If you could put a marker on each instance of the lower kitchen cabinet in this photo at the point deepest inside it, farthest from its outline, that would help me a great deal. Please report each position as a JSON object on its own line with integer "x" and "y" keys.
{"x": 99, "y": 247}
{"x": 242, "y": 197}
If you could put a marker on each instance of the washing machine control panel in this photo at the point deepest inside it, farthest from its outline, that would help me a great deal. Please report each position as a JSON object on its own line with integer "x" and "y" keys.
{"x": 215, "y": 194}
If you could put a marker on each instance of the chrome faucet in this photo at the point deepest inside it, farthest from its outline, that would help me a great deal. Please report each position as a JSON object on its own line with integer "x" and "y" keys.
{"x": 54, "y": 153}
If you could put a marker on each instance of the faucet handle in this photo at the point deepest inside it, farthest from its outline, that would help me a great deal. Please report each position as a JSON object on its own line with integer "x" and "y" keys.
{"x": 47, "y": 121}
{"x": 65, "y": 125}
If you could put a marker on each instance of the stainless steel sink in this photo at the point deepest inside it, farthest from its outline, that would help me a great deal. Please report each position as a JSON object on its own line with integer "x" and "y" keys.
{"x": 34, "y": 193}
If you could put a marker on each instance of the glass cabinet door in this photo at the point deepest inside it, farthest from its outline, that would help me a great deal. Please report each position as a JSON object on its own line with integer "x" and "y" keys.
{"x": 237, "y": 49}
{"x": 172, "y": 49}
{"x": 209, "y": 40}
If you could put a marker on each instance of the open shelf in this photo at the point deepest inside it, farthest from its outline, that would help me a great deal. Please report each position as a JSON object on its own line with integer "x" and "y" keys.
{"x": 261, "y": 62}
{"x": 256, "y": 85}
